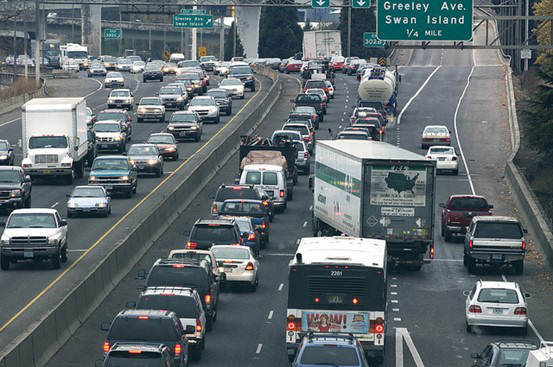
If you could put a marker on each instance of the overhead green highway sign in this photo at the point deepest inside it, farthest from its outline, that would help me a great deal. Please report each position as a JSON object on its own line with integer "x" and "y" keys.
{"x": 360, "y": 4}
{"x": 320, "y": 3}
{"x": 424, "y": 20}
{"x": 370, "y": 40}
{"x": 112, "y": 34}
{"x": 192, "y": 21}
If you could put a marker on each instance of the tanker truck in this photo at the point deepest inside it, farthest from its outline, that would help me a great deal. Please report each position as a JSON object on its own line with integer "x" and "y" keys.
{"x": 378, "y": 89}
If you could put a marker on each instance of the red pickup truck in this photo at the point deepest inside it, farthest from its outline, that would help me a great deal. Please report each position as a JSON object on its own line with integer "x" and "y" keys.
{"x": 457, "y": 212}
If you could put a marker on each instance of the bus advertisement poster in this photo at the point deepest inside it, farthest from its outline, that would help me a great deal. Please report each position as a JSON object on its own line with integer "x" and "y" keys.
{"x": 335, "y": 321}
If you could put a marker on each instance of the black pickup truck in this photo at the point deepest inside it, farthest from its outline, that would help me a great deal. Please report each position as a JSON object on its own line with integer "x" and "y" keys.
{"x": 15, "y": 188}
{"x": 313, "y": 100}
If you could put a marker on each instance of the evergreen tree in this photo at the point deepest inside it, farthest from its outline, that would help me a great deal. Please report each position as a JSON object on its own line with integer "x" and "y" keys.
{"x": 540, "y": 126}
{"x": 229, "y": 44}
{"x": 279, "y": 32}
{"x": 362, "y": 20}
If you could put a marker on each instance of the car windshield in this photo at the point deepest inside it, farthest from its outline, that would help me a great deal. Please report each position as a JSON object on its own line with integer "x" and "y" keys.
{"x": 35, "y": 220}
{"x": 441, "y": 150}
{"x": 110, "y": 165}
{"x": 40, "y": 142}
{"x": 114, "y": 75}
{"x": 308, "y": 98}
{"x": 168, "y": 276}
{"x": 169, "y": 91}
{"x": 241, "y": 206}
{"x": 498, "y": 295}
{"x": 145, "y": 329}
{"x": 503, "y": 230}
{"x": 201, "y": 102}
{"x": 468, "y": 203}
{"x": 151, "y": 101}
{"x": 117, "y": 116}
{"x": 120, "y": 93}
{"x": 236, "y": 192}
{"x": 217, "y": 94}
{"x": 330, "y": 355}
{"x": 106, "y": 128}
{"x": 183, "y": 117}
{"x": 513, "y": 357}
{"x": 244, "y": 225}
{"x": 77, "y": 54}
{"x": 240, "y": 70}
{"x": 232, "y": 82}
{"x": 151, "y": 68}
{"x": 208, "y": 58}
{"x": 231, "y": 253}
{"x": 161, "y": 139}
{"x": 189, "y": 64}
{"x": 12, "y": 176}
{"x": 127, "y": 359}
{"x": 138, "y": 63}
{"x": 301, "y": 129}
{"x": 142, "y": 150}
{"x": 436, "y": 130}
{"x": 88, "y": 192}
{"x": 184, "y": 307}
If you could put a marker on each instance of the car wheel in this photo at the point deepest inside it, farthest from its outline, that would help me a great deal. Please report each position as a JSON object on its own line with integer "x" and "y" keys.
{"x": 519, "y": 267}
{"x": 209, "y": 323}
{"x": 135, "y": 188}
{"x": 447, "y": 235}
{"x": 4, "y": 262}
{"x": 468, "y": 328}
{"x": 229, "y": 112}
{"x": 64, "y": 254}
{"x": 471, "y": 264}
{"x": 56, "y": 260}
{"x": 252, "y": 89}
{"x": 129, "y": 193}
{"x": 198, "y": 138}
{"x": 253, "y": 287}
{"x": 70, "y": 215}
{"x": 159, "y": 172}
{"x": 242, "y": 96}
{"x": 456, "y": 172}
{"x": 144, "y": 80}
{"x": 307, "y": 170}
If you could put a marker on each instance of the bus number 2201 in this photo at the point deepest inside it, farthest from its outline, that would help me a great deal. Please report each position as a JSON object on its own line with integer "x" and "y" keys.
{"x": 336, "y": 273}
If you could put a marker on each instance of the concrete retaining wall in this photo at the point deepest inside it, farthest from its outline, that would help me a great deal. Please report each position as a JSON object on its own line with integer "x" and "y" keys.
{"x": 15, "y": 102}
{"x": 42, "y": 340}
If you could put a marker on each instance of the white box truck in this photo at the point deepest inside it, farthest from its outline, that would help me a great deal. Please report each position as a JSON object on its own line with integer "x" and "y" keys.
{"x": 542, "y": 357}
{"x": 319, "y": 44}
{"x": 373, "y": 189}
{"x": 54, "y": 138}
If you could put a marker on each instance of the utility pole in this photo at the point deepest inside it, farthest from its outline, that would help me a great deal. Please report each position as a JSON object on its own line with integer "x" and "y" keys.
{"x": 349, "y": 29}
{"x": 194, "y": 40}
{"x": 121, "y": 28}
{"x": 25, "y": 39}
{"x": 37, "y": 43}
{"x": 73, "y": 23}
{"x": 234, "y": 36}
{"x": 222, "y": 40}
{"x": 15, "y": 42}
{"x": 526, "y": 31}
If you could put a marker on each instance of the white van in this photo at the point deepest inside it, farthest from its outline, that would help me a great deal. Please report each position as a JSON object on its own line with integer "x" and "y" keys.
{"x": 176, "y": 57}
{"x": 270, "y": 178}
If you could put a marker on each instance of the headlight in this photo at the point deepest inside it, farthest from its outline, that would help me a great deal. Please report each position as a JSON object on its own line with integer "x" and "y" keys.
{"x": 118, "y": 137}
{"x": 72, "y": 205}
{"x": 158, "y": 110}
{"x": 92, "y": 178}
{"x": 15, "y": 193}
{"x": 141, "y": 110}
{"x": 124, "y": 178}
{"x": 101, "y": 205}
{"x": 129, "y": 100}
{"x": 3, "y": 157}
{"x": 53, "y": 241}
{"x": 170, "y": 149}
{"x": 132, "y": 161}
{"x": 194, "y": 128}
{"x": 170, "y": 128}
{"x": 5, "y": 241}
{"x": 152, "y": 161}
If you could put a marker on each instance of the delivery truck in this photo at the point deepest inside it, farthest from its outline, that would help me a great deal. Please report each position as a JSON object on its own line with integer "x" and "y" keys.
{"x": 542, "y": 357}
{"x": 373, "y": 189}
{"x": 54, "y": 138}
{"x": 321, "y": 44}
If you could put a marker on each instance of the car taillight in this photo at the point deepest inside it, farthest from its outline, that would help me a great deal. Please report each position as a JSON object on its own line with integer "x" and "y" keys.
{"x": 214, "y": 208}
{"x": 429, "y": 156}
{"x": 106, "y": 347}
{"x": 263, "y": 224}
{"x": 265, "y": 203}
{"x": 249, "y": 267}
{"x": 293, "y": 324}
{"x": 207, "y": 299}
{"x": 198, "y": 325}
{"x": 453, "y": 158}
{"x": 191, "y": 245}
{"x": 314, "y": 117}
{"x": 524, "y": 245}
{"x": 251, "y": 237}
{"x": 447, "y": 139}
{"x": 281, "y": 193}
{"x": 470, "y": 244}
{"x": 432, "y": 251}
{"x": 475, "y": 309}
{"x": 178, "y": 350}
{"x": 305, "y": 155}
{"x": 521, "y": 311}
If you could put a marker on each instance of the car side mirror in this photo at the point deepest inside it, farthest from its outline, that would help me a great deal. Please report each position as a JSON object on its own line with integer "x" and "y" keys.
{"x": 27, "y": 178}
{"x": 68, "y": 195}
{"x": 490, "y": 206}
{"x": 10, "y": 149}
{"x": 442, "y": 205}
{"x": 141, "y": 274}
{"x": 131, "y": 305}
{"x": 105, "y": 326}
{"x": 190, "y": 329}
{"x": 63, "y": 223}
{"x": 475, "y": 355}
{"x": 260, "y": 257}
{"x": 525, "y": 230}
{"x": 466, "y": 293}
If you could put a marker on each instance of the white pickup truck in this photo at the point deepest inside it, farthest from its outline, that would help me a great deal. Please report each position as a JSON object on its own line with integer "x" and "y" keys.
{"x": 496, "y": 241}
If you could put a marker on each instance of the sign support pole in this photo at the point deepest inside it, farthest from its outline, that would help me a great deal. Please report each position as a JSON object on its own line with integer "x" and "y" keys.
{"x": 349, "y": 30}
{"x": 37, "y": 43}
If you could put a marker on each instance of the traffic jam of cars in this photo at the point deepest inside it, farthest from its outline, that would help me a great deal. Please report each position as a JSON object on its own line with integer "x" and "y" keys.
{"x": 337, "y": 306}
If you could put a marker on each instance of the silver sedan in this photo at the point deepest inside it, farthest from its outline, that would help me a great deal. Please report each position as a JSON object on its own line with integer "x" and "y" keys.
{"x": 238, "y": 263}
{"x": 88, "y": 200}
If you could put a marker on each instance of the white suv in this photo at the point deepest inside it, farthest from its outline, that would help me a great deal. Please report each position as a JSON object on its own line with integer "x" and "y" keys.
{"x": 34, "y": 234}
{"x": 496, "y": 304}
{"x": 206, "y": 107}
{"x": 121, "y": 98}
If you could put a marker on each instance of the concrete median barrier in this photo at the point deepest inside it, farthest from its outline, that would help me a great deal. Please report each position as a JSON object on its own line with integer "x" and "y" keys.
{"x": 43, "y": 338}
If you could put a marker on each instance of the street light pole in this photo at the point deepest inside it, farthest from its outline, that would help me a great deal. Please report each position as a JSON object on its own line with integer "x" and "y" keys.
{"x": 37, "y": 43}
{"x": 349, "y": 30}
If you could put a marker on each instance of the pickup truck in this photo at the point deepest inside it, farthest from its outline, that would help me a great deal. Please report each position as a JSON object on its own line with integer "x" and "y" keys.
{"x": 458, "y": 211}
{"x": 15, "y": 188}
{"x": 312, "y": 100}
{"x": 115, "y": 173}
{"x": 496, "y": 241}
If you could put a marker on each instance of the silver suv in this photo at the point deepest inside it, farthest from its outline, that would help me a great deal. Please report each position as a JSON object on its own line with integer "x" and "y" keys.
{"x": 206, "y": 107}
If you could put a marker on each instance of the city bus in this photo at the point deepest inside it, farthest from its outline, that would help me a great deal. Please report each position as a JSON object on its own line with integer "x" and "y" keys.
{"x": 338, "y": 284}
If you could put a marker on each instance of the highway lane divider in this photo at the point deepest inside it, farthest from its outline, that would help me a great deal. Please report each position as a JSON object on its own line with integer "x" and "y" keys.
{"x": 165, "y": 203}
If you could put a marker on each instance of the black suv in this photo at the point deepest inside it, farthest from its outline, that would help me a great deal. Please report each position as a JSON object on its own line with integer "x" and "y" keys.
{"x": 248, "y": 192}
{"x": 149, "y": 326}
{"x": 15, "y": 188}
{"x": 208, "y": 232}
{"x": 137, "y": 354}
{"x": 504, "y": 353}
{"x": 187, "y": 273}
{"x": 223, "y": 99}
{"x": 152, "y": 72}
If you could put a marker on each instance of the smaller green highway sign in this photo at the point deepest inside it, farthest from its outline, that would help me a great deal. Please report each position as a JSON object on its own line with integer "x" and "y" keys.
{"x": 112, "y": 34}
{"x": 424, "y": 20}
{"x": 192, "y": 21}
{"x": 360, "y": 4}
{"x": 371, "y": 40}
{"x": 320, "y": 3}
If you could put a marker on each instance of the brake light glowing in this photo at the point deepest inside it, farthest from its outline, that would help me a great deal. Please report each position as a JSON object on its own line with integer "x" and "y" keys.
{"x": 379, "y": 328}
{"x": 178, "y": 265}
{"x": 191, "y": 245}
{"x": 470, "y": 244}
{"x": 106, "y": 347}
{"x": 291, "y": 326}
{"x": 134, "y": 351}
{"x": 524, "y": 245}
{"x": 251, "y": 237}
{"x": 475, "y": 309}
{"x": 143, "y": 317}
{"x": 355, "y": 301}
{"x": 207, "y": 298}
{"x": 263, "y": 224}
{"x": 198, "y": 325}
{"x": 178, "y": 350}
{"x": 237, "y": 188}
{"x": 249, "y": 267}
{"x": 281, "y": 193}
{"x": 265, "y": 203}
{"x": 521, "y": 311}
{"x": 432, "y": 251}
{"x": 317, "y": 300}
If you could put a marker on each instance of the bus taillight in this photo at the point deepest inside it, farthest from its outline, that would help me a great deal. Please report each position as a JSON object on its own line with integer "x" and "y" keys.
{"x": 379, "y": 329}
{"x": 293, "y": 324}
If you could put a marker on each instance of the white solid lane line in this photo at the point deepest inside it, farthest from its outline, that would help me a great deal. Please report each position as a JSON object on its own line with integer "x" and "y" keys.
{"x": 414, "y": 352}
{"x": 416, "y": 94}
{"x": 399, "y": 348}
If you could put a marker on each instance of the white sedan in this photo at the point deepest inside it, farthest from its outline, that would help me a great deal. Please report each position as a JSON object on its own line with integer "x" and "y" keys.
{"x": 238, "y": 263}
{"x": 138, "y": 67}
{"x": 234, "y": 86}
{"x": 445, "y": 157}
{"x": 435, "y": 135}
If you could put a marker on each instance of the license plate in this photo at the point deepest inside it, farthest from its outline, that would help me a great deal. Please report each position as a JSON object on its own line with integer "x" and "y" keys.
{"x": 182, "y": 134}
{"x": 141, "y": 166}
{"x": 28, "y": 254}
{"x": 104, "y": 146}
{"x": 497, "y": 257}
{"x": 118, "y": 104}
{"x": 109, "y": 187}
{"x": 498, "y": 311}
{"x": 441, "y": 158}
{"x": 47, "y": 171}
{"x": 270, "y": 193}
{"x": 86, "y": 209}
